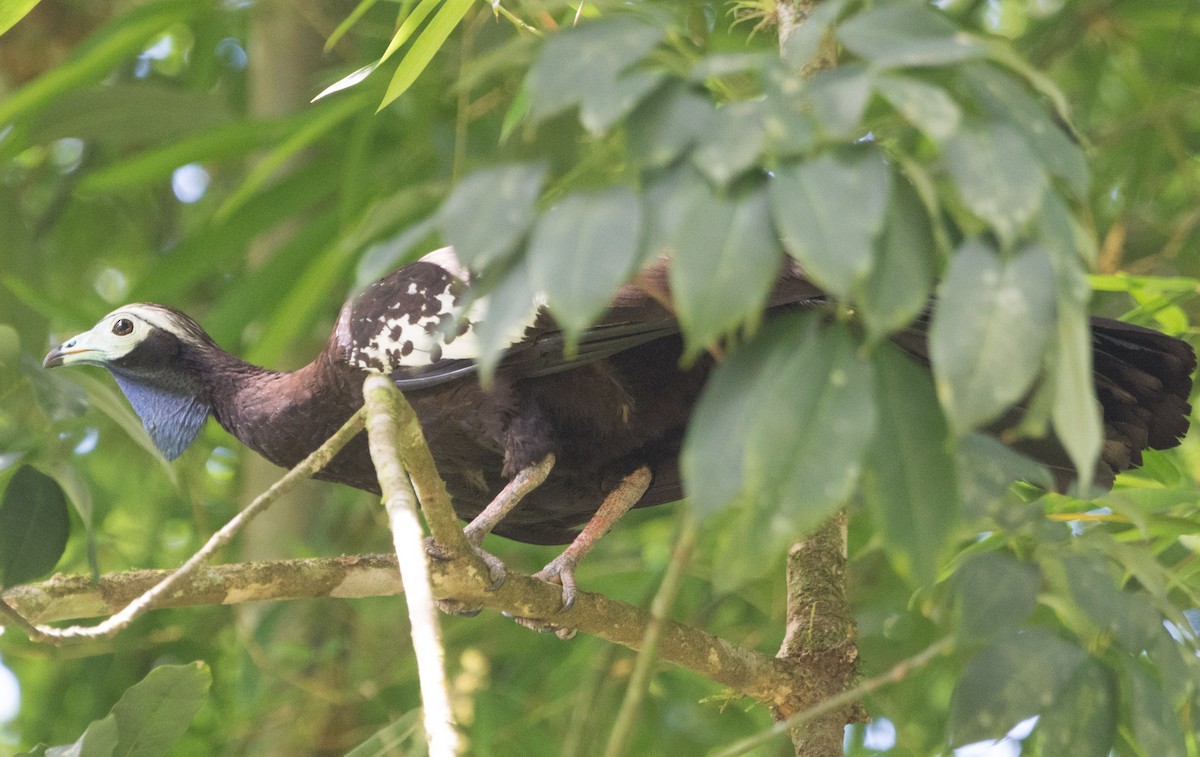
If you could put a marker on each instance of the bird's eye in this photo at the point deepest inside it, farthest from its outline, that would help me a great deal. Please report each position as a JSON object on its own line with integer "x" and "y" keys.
{"x": 123, "y": 327}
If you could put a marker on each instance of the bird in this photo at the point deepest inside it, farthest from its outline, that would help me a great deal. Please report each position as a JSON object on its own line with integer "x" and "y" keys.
{"x": 558, "y": 438}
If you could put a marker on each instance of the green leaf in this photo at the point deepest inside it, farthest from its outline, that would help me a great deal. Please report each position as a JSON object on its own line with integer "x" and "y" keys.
{"x": 989, "y": 331}
{"x": 725, "y": 264}
{"x": 1129, "y": 618}
{"x": 509, "y": 307}
{"x": 12, "y": 11}
{"x": 909, "y": 480}
{"x": 490, "y": 212}
{"x": 409, "y": 25}
{"x": 898, "y": 285}
{"x": 153, "y": 713}
{"x": 1013, "y": 679}
{"x": 99, "y": 740}
{"x": 581, "y": 250}
{"x": 804, "y": 44}
{"x": 391, "y": 739}
{"x": 998, "y": 178}
{"x": 424, "y": 48}
{"x": 994, "y": 594}
{"x": 603, "y": 106}
{"x": 925, "y": 106}
{"x": 662, "y": 127}
{"x": 321, "y": 122}
{"x": 1076, "y": 411}
{"x": 1156, "y": 728}
{"x": 1082, "y": 722}
{"x": 34, "y": 524}
{"x": 828, "y": 212}
{"x": 131, "y": 115}
{"x": 733, "y": 142}
{"x": 583, "y": 65}
{"x": 782, "y": 424}
{"x": 838, "y": 98}
{"x": 1004, "y": 99}
{"x": 987, "y": 469}
{"x": 907, "y": 35}
{"x": 349, "y": 21}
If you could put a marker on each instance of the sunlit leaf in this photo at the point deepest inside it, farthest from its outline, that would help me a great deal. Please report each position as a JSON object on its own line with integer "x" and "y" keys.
{"x": 12, "y": 11}
{"x": 425, "y": 47}
{"x": 349, "y": 80}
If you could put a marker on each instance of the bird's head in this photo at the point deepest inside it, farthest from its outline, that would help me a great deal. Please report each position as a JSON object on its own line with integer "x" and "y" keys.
{"x": 157, "y": 355}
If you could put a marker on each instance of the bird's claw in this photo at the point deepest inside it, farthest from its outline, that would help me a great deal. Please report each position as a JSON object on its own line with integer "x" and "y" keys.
{"x": 561, "y": 571}
{"x": 454, "y": 607}
{"x": 541, "y": 626}
{"x": 497, "y": 571}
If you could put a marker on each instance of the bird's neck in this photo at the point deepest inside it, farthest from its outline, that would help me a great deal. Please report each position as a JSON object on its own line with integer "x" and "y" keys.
{"x": 281, "y": 415}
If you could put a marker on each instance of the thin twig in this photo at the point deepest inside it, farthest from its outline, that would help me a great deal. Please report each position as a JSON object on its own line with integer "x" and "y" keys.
{"x": 898, "y": 672}
{"x": 639, "y": 681}
{"x": 117, "y": 622}
{"x": 407, "y": 536}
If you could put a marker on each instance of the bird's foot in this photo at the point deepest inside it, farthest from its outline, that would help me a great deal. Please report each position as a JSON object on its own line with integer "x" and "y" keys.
{"x": 497, "y": 571}
{"x": 542, "y": 626}
{"x": 561, "y": 571}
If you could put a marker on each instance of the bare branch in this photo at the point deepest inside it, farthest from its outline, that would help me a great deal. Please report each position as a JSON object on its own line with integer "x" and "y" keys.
{"x": 381, "y": 400}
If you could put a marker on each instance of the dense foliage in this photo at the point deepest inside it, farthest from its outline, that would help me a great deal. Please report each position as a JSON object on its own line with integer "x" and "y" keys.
{"x": 1010, "y": 157}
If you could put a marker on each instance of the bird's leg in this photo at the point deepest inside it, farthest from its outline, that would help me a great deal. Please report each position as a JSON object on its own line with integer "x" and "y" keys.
{"x": 561, "y": 569}
{"x": 526, "y": 480}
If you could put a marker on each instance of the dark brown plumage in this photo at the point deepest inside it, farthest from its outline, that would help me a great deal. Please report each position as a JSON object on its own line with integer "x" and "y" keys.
{"x": 619, "y": 405}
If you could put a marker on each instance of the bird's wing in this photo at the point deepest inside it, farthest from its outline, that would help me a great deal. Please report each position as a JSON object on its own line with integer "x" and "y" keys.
{"x": 417, "y": 324}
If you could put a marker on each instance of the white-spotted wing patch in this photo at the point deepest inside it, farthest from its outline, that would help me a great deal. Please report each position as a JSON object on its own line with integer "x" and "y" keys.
{"x": 411, "y": 318}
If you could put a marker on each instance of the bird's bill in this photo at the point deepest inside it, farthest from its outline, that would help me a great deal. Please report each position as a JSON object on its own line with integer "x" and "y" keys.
{"x": 78, "y": 350}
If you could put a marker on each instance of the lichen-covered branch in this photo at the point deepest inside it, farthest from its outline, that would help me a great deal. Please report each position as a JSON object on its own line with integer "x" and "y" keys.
{"x": 746, "y": 671}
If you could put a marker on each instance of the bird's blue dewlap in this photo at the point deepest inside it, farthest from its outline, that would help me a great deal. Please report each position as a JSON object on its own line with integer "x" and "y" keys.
{"x": 172, "y": 418}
